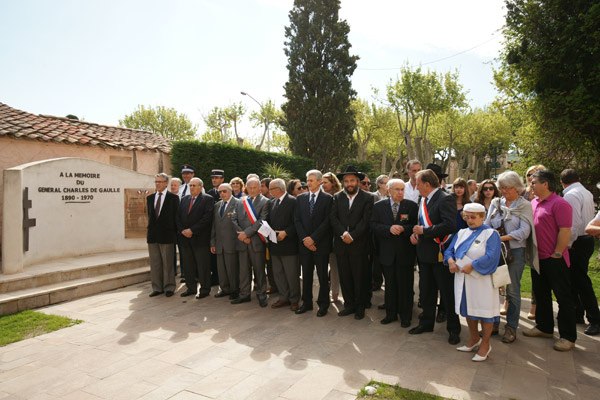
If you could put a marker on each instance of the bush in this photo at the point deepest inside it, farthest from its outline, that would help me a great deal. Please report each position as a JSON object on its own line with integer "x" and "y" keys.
{"x": 234, "y": 160}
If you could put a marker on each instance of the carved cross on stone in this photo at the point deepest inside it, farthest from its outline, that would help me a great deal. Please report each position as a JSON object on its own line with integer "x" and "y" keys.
{"x": 27, "y": 222}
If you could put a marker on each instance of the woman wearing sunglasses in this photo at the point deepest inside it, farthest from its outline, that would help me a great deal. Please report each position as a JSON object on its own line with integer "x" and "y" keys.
{"x": 486, "y": 193}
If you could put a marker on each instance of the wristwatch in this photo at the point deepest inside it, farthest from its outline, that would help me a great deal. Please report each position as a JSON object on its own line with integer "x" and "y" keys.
{"x": 557, "y": 254}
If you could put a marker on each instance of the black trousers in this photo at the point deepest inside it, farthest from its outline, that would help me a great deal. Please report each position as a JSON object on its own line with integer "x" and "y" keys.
{"x": 309, "y": 262}
{"x": 583, "y": 292}
{"x": 554, "y": 277}
{"x": 196, "y": 263}
{"x": 355, "y": 278}
{"x": 270, "y": 276}
{"x": 434, "y": 276}
{"x": 399, "y": 293}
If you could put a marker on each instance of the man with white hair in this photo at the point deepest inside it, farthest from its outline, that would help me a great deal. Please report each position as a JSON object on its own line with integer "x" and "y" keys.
{"x": 392, "y": 223}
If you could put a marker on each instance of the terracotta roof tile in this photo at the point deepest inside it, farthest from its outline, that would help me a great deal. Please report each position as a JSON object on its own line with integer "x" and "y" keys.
{"x": 48, "y": 128}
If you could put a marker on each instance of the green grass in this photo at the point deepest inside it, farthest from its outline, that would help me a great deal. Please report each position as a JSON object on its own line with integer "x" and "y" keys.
{"x": 593, "y": 273}
{"x": 395, "y": 392}
{"x": 27, "y": 324}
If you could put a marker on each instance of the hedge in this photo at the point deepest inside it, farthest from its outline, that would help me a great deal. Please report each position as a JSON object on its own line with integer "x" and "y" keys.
{"x": 235, "y": 160}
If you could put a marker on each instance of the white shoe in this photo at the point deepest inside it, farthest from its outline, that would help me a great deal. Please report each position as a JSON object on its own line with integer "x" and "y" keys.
{"x": 478, "y": 358}
{"x": 468, "y": 349}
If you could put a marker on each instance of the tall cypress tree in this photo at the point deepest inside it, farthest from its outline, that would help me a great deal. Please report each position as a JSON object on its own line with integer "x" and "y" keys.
{"x": 317, "y": 114}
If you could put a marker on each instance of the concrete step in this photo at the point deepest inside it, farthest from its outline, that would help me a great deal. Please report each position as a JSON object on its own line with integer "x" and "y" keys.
{"x": 58, "y": 292}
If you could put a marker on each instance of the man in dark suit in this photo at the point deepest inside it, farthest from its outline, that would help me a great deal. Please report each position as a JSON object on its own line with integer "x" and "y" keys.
{"x": 247, "y": 220}
{"x": 162, "y": 235}
{"x": 217, "y": 176}
{"x": 350, "y": 216}
{"x": 284, "y": 253}
{"x": 437, "y": 220}
{"x": 392, "y": 222}
{"x": 314, "y": 234}
{"x": 223, "y": 243}
{"x": 194, "y": 220}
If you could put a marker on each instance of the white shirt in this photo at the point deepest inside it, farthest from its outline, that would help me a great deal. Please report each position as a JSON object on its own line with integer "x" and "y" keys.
{"x": 184, "y": 186}
{"x": 410, "y": 192}
{"x": 582, "y": 202}
{"x": 351, "y": 199}
{"x": 430, "y": 195}
{"x": 162, "y": 200}
{"x": 315, "y": 193}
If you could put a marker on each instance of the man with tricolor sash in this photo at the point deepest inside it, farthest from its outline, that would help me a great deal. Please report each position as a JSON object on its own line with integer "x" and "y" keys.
{"x": 436, "y": 222}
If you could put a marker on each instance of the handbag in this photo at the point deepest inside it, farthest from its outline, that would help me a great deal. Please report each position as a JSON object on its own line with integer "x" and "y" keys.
{"x": 501, "y": 276}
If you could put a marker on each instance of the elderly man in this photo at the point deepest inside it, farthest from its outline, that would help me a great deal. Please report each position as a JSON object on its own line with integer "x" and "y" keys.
{"x": 223, "y": 243}
{"x": 194, "y": 220}
{"x": 350, "y": 216}
{"x": 410, "y": 191}
{"x": 392, "y": 222}
{"x": 187, "y": 173}
{"x": 247, "y": 219}
{"x": 437, "y": 221}
{"x": 162, "y": 234}
{"x": 472, "y": 184}
{"x": 314, "y": 233}
{"x": 284, "y": 253}
{"x": 581, "y": 248}
{"x": 217, "y": 177}
{"x": 552, "y": 219}
{"x": 382, "y": 190}
{"x": 365, "y": 183}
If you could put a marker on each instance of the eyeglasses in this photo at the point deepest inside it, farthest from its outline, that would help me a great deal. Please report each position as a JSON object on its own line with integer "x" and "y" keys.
{"x": 160, "y": 181}
{"x": 235, "y": 183}
{"x": 530, "y": 174}
{"x": 488, "y": 188}
{"x": 365, "y": 182}
{"x": 471, "y": 217}
{"x": 223, "y": 191}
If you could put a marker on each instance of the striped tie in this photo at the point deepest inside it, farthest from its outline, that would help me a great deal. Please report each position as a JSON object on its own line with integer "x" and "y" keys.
{"x": 311, "y": 203}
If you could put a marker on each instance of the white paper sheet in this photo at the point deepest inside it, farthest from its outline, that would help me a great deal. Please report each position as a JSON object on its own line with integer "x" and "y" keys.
{"x": 268, "y": 232}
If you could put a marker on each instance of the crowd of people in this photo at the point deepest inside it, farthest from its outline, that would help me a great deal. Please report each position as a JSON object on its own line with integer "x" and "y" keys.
{"x": 268, "y": 237}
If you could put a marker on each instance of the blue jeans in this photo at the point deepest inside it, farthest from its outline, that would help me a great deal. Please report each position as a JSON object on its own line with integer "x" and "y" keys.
{"x": 513, "y": 291}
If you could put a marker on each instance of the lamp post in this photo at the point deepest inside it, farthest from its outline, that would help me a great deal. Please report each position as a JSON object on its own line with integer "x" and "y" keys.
{"x": 493, "y": 151}
{"x": 264, "y": 116}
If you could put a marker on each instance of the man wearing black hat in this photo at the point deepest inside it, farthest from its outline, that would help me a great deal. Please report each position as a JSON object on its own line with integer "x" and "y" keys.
{"x": 438, "y": 172}
{"x": 217, "y": 177}
{"x": 187, "y": 173}
{"x": 350, "y": 216}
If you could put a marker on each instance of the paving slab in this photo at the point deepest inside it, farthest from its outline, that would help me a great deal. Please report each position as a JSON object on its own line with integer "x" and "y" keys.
{"x": 131, "y": 346}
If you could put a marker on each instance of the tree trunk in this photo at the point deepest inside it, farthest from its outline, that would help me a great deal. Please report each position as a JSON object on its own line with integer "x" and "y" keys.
{"x": 383, "y": 159}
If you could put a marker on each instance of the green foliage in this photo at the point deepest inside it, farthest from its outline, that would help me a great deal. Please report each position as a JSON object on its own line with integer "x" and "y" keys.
{"x": 317, "y": 114}
{"x": 27, "y": 324}
{"x": 274, "y": 170}
{"x": 235, "y": 160}
{"x": 269, "y": 116}
{"x": 395, "y": 392}
{"x": 163, "y": 121}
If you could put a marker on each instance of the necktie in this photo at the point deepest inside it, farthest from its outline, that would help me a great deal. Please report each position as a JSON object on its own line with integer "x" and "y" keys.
{"x": 191, "y": 204}
{"x": 311, "y": 203}
{"x": 223, "y": 208}
{"x": 275, "y": 206}
{"x": 184, "y": 189}
{"x": 157, "y": 206}
{"x": 395, "y": 210}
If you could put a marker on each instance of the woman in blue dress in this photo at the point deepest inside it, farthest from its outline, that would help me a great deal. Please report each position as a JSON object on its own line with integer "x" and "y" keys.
{"x": 473, "y": 257}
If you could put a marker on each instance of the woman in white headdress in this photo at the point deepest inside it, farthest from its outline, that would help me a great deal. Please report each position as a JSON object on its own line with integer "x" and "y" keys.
{"x": 473, "y": 257}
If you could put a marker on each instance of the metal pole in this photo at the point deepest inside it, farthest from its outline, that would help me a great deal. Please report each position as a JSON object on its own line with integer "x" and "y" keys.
{"x": 265, "y": 115}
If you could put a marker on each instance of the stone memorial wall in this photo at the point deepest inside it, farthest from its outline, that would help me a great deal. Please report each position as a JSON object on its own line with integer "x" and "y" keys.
{"x": 68, "y": 207}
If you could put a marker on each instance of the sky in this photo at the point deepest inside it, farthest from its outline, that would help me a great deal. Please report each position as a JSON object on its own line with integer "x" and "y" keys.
{"x": 99, "y": 59}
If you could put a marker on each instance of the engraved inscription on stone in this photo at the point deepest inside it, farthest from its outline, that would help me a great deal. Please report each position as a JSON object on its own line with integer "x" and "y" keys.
{"x": 136, "y": 213}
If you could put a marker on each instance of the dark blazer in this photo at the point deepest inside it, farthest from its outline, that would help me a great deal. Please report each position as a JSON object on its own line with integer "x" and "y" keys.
{"x": 241, "y": 222}
{"x": 442, "y": 213}
{"x": 214, "y": 193}
{"x": 394, "y": 248}
{"x": 354, "y": 220}
{"x": 163, "y": 229}
{"x": 316, "y": 225}
{"x": 199, "y": 220}
{"x": 283, "y": 220}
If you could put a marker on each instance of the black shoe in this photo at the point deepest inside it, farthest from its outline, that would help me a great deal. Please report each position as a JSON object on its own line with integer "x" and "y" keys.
{"x": 405, "y": 323}
{"x": 182, "y": 280}
{"x": 346, "y": 311}
{"x": 304, "y": 308}
{"x": 233, "y": 295}
{"x": 221, "y": 293}
{"x": 241, "y": 300}
{"x": 322, "y": 312}
{"x": 441, "y": 317}
{"x": 262, "y": 302}
{"x": 369, "y": 305}
{"x": 155, "y": 293}
{"x": 202, "y": 295}
{"x": 360, "y": 314}
{"x": 453, "y": 338}
{"x": 592, "y": 330}
{"x": 376, "y": 288}
{"x": 381, "y": 306}
{"x": 417, "y": 330}
{"x": 169, "y": 293}
{"x": 388, "y": 320}
{"x": 188, "y": 293}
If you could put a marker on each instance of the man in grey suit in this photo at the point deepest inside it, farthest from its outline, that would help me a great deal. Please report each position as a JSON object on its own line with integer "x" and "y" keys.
{"x": 223, "y": 243}
{"x": 247, "y": 219}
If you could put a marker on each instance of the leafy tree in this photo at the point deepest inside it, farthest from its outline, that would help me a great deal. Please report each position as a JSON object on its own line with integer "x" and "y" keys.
{"x": 269, "y": 116}
{"x": 163, "y": 121}
{"x": 218, "y": 124}
{"x": 233, "y": 114}
{"x": 317, "y": 114}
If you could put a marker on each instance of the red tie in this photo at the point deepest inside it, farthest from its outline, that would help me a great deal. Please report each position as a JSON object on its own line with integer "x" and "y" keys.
{"x": 157, "y": 207}
{"x": 191, "y": 204}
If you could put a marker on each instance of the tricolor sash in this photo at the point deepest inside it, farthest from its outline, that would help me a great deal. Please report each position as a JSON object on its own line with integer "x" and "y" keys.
{"x": 426, "y": 222}
{"x": 252, "y": 214}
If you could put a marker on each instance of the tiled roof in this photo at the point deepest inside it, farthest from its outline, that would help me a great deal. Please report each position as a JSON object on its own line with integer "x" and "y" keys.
{"x": 47, "y": 128}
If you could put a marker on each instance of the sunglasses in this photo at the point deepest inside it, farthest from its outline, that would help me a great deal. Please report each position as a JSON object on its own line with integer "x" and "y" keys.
{"x": 530, "y": 174}
{"x": 488, "y": 189}
{"x": 365, "y": 182}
